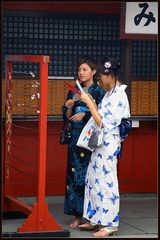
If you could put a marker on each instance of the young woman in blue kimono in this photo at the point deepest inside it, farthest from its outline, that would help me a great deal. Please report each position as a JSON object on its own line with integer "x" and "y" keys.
{"x": 78, "y": 114}
{"x": 101, "y": 202}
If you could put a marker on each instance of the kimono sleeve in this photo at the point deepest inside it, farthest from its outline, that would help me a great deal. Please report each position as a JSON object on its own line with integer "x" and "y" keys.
{"x": 97, "y": 96}
{"x": 112, "y": 112}
{"x": 64, "y": 108}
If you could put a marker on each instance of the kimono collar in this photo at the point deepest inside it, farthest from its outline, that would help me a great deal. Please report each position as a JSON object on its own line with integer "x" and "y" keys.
{"x": 93, "y": 85}
{"x": 121, "y": 87}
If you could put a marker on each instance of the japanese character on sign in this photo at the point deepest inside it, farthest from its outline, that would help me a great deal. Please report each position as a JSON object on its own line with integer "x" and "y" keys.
{"x": 149, "y": 16}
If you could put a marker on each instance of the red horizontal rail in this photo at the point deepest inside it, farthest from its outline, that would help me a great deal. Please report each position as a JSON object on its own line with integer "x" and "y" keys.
{"x": 28, "y": 58}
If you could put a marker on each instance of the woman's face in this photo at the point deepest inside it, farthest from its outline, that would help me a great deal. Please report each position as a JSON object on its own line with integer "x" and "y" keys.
{"x": 106, "y": 79}
{"x": 85, "y": 73}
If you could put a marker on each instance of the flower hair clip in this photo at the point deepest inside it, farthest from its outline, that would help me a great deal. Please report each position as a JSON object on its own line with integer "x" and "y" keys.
{"x": 107, "y": 65}
{"x": 106, "y": 70}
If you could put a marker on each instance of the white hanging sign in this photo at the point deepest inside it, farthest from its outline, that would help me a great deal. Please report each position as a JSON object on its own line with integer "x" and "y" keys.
{"x": 141, "y": 18}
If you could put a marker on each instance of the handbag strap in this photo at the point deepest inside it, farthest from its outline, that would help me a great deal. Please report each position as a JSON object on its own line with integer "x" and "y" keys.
{"x": 100, "y": 126}
{"x": 65, "y": 124}
{"x": 96, "y": 126}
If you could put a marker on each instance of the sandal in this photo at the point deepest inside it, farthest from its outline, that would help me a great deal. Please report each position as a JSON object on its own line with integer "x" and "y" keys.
{"x": 88, "y": 226}
{"x": 105, "y": 232}
{"x": 75, "y": 223}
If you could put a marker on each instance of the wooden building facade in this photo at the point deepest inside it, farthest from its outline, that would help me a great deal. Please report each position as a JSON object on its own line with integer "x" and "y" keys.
{"x": 66, "y": 32}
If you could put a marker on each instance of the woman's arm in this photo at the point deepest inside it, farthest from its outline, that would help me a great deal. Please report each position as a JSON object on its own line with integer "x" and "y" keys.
{"x": 68, "y": 113}
{"x": 69, "y": 104}
{"x": 92, "y": 107}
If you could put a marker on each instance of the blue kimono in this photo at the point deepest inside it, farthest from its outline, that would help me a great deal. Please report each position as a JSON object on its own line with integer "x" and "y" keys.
{"x": 78, "y": 158}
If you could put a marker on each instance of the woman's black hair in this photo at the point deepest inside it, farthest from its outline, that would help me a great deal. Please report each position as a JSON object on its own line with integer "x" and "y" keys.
{"x": 91, "y": 63}
{"x": 109, "y": 66}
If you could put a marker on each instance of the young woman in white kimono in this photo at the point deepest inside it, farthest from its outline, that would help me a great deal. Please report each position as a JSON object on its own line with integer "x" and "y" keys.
{"x": 101, "y": 203}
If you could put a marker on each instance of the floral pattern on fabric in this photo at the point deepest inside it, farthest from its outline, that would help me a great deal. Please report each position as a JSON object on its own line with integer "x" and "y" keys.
{"x": 78, "y": 158}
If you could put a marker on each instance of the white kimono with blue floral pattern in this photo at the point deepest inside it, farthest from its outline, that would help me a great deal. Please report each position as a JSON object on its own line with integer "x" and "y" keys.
{"x": 101, "y": 203}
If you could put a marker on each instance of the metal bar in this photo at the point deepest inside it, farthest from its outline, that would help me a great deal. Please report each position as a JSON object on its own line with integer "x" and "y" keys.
{"x": 19, "y": 116}
{"x": 31, "y": 129}
{"x": 21, "y": 160}
{"x": 23, "y": 149}
{"x": 26, "y": 139}
{"x": 55, "y": 118}
{"x": 27, "y": 107}
{"x": 60, "y": 77}
{"x": 18, "y": 170}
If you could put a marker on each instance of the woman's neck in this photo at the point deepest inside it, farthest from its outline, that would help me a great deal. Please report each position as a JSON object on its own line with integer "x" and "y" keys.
{"x": 110, "y": 86}
{"x": 88, "y": 83}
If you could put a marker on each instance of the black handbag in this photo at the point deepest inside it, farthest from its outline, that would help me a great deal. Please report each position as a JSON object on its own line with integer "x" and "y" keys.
{"x": 125, "y": 128}
{"x": 65, "y": 135}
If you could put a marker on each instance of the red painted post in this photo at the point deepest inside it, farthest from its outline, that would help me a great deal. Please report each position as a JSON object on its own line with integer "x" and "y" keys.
{"x": 40, "y": 219}
{"x": 42, "y": 141}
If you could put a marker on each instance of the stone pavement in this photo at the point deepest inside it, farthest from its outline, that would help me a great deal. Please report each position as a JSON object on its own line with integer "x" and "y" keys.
{"x": 138, "y": 217}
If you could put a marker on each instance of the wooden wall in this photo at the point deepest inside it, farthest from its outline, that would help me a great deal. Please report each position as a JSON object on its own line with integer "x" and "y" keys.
{"x": 144, "y": 97}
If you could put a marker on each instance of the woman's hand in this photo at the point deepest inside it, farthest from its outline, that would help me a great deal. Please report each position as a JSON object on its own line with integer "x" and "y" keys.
{"x": 87, "y": 98}
{"x": 69, "y": 103}
{"x": 77, "y": 117}
{"x": 92, "y": 107}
